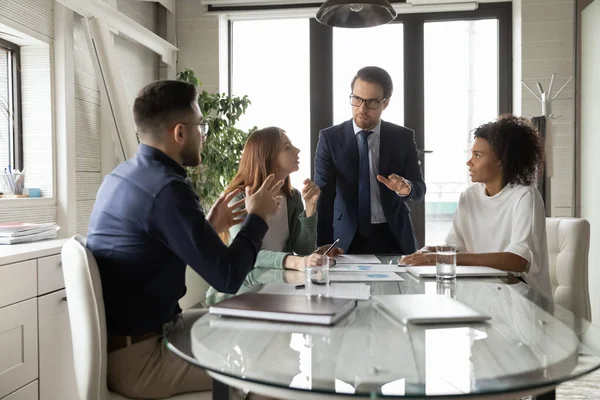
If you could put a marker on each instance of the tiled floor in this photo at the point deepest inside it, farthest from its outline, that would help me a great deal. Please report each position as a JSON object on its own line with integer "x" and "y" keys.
{"x": 584, "y": 388}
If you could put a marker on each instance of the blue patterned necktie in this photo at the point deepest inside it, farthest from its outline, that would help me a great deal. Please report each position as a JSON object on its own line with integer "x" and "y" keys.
{"x": 364, "y": 185}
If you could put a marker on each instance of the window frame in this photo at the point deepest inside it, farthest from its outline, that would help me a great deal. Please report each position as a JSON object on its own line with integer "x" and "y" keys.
{"x": 321, "y": 75}
{"x": 17, "y": 132}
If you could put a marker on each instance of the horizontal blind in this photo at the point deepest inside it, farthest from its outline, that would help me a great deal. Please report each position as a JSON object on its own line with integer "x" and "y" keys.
{"x": 34, "y": 214}
{"x": 138, "y": 65}
{"x": 36, "y": 107}
{"x": 35, "y": 15}
{"x": 87, "y": 129}
{"x": 5, "y": 139}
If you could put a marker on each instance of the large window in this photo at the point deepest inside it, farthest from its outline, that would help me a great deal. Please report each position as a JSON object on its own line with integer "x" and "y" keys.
{"x": 458, "y": 98}
{"x": 381, "y": 52}
{"x": 10, "y": 141}
{"x": 270, "y": 64}
{"x": 451, "y": 72}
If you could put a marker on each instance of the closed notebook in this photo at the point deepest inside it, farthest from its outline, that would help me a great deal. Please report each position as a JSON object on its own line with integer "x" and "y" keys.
{"x": 427, "y": 309}
{"x": 281, "y": 307}
{"x": 429, "y": 271}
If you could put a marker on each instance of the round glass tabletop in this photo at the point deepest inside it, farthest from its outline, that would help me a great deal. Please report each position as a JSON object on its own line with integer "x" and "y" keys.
{"x": 529, "y": 343}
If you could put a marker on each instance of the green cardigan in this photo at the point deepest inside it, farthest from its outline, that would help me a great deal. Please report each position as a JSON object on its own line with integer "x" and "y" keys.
{"x": 302, "y": 239}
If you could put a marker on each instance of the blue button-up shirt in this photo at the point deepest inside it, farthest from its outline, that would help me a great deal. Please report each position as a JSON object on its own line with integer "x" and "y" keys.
{"x": 146, "y": 226}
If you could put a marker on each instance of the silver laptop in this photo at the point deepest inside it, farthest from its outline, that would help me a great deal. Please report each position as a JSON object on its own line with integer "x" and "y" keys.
{"x": 429, "y": 271}
{"x": 427, "y": 309}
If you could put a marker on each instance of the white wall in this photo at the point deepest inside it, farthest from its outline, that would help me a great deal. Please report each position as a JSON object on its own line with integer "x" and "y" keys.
{"x": 548, "y": 46}
{"x": 198, "y": 42}
{"x": 590, "y": 140}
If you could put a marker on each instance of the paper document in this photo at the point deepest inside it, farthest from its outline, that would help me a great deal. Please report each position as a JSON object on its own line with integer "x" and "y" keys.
{"x": 356, "y": 291}
{"x": 363, "y": 277}
{"x": 357, "y": 259}
{"x": 367, "y": 268}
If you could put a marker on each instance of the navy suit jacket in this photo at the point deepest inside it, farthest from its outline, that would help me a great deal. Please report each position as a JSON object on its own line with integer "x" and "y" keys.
{"x": 336, "y": 173}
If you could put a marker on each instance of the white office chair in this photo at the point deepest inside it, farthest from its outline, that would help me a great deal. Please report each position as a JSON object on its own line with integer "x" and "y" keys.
{"x": 568, "y": 248}
{"x": 88, "y": 323}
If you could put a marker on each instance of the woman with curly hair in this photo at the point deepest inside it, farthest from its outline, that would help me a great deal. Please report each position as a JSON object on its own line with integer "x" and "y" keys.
{"x": 500, "y": 220}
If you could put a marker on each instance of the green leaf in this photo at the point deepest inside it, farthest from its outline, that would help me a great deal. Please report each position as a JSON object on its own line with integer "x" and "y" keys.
{"x": 223, "y": 148}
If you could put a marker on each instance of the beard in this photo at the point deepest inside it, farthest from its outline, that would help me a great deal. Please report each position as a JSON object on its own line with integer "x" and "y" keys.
{"x": 190, "y": 156}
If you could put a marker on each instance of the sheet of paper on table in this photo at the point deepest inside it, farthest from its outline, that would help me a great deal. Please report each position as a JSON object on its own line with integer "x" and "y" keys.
{"x": 357, "y": 259}
{"x": 364, "y": 277}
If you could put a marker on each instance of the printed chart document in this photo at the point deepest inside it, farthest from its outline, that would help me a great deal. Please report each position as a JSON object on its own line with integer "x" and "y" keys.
{"x": 356, "y": 291}
{"x": 367, "y": 268}
{"x": 363, "y": 277}
{"x": 357, "y": 259}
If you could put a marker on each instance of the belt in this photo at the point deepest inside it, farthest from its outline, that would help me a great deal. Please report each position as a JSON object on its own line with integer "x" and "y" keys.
{"x": 117, "y": 342}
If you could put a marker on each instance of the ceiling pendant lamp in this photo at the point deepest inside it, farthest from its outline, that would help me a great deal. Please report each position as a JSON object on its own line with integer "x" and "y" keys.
{"x": 356, "y": 14}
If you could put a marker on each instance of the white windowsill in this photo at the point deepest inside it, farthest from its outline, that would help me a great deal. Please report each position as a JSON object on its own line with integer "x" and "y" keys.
{"x": 28, "y": 202}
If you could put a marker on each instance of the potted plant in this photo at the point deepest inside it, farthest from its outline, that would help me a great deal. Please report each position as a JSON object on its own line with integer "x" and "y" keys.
{"x": 223, "y": 148}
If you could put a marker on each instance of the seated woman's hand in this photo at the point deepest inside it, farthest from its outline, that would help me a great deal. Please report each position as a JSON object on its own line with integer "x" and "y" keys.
{"x": 310, "y": 194}
{"x": 336, "y": 251}
{"x": 418, "y": 258}
{"x": 311, "y": 260}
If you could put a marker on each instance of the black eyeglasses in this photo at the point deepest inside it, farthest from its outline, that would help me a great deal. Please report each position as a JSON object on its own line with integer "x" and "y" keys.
{"x": 372, "y": 104}
{"x": 204, "y": 127}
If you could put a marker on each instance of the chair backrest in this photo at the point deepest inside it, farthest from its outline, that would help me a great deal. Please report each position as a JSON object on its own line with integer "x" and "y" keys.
{"x": 88, "y": 321}
{"x": 568, "y": 248}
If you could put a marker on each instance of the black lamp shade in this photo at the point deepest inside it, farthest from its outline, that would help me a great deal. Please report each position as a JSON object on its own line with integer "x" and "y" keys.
{"x": 356, "y": 14}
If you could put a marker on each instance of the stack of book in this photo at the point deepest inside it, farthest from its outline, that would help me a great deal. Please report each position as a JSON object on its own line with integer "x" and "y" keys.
{"x": 22, "y": 232}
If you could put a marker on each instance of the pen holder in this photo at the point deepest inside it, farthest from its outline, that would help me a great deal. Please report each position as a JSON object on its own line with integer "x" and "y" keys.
{"x": 12, "y": 184}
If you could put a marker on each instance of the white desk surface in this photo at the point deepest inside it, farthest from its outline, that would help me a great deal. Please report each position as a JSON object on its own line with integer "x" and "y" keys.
{"x": 26, "y": 251}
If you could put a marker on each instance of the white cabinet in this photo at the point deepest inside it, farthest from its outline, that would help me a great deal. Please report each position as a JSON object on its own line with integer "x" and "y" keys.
{"x": 57, "y": 372}
{"x": 17, "y": 282}
{"x": 49, "y": 274}
{"x": 36, "y": 355}
{"x": 18, "y": 346}
{"x": 29, "y": 392}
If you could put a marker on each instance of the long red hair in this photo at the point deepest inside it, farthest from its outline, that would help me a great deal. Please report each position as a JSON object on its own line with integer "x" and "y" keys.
{"x": 258, "y": 159}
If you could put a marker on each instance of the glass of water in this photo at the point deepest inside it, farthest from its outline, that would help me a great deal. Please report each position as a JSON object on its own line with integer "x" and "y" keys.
{"x": 447, "y": 287}
{"x": 445, "y": 261}
{"x": 316, "y": 273}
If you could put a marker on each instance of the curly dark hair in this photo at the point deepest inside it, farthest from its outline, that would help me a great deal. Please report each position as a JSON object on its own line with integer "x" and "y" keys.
{"x": 517, "y": 144}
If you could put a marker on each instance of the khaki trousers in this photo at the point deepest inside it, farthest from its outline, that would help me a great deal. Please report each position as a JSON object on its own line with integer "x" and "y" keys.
{"x": 148, "y": 370}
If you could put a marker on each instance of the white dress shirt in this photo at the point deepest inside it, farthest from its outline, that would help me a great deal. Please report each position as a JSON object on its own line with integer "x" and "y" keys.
{"x": 377, "y": 216}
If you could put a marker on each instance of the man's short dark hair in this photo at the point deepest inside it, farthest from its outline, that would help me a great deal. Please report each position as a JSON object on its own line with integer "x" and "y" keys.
{"x": 517, "y": 144}
{"x": 160, "y": 102}
{"x": 375, "y": 75}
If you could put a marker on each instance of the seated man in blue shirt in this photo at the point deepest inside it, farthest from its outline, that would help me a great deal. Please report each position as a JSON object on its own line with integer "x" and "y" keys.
{"x": 147, "y": 225}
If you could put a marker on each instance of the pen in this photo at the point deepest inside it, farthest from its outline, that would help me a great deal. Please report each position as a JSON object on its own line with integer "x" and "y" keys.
{"x": 314, "y": 283}
{"x": 331, "y": 247}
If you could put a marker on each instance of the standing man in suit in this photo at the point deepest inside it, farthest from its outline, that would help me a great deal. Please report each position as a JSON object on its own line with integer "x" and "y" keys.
{"x": 368, "y": 170}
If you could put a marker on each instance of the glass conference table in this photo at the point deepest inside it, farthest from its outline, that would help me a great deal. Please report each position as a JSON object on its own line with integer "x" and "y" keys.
{"x": 527, "y": 348}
